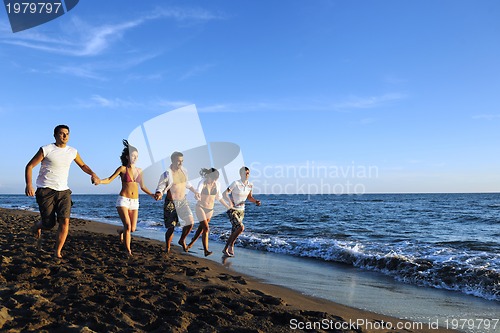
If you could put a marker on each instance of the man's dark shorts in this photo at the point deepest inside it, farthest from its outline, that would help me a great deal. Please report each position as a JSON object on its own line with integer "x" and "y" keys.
{"x": 53, "y": 205}
{"x": 236, "y": 217}
{"x": 175, "y": 209}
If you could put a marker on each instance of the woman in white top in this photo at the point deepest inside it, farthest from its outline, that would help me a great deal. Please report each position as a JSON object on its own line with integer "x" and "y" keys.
{"x": 209, "y": 190}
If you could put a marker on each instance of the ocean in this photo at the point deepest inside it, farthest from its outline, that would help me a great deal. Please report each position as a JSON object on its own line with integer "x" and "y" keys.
{"x": 435, "y": 241}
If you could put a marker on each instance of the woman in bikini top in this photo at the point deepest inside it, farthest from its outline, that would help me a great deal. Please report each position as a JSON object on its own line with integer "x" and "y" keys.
{"x": 209, "y": 196}
{"x": 128, "y": 201}
{"x": 130, "y": 175}
{"x": 209, "y": 191}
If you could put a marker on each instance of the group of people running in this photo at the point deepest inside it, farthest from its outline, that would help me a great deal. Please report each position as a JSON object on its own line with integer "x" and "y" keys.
{"x": 54, "y": 196}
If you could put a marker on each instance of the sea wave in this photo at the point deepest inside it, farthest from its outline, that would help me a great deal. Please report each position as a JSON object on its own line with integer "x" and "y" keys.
{"x": 470, "y": 272}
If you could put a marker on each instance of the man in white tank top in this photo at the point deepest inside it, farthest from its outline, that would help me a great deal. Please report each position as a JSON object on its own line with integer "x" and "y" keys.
{"x": 53, "y": 194}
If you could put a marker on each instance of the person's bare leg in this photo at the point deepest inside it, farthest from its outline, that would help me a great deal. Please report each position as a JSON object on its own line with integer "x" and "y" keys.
{"x": 204, "y": 239}
{"x": 200, "y": 214}
{"x": 185, "y": 231}
{"x": 37, "y": 233}
{"x": 133, "y": 215}
{"x": 205, "y": 233}
{"x": 62, "y": 234}
{"x": 195, "y": 237}
{"x": 229, "y": 248}
{"x": 37, "y": 229}
{"x": 204, "y": 236}
{"x": 120, "y": 233}
{"x": 169, "y": 235}
{"x": 224, "y": 251}
{"x": 123, "y": 212}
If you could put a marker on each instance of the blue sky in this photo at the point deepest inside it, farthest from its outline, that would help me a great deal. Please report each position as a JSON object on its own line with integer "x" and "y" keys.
{"x": 342, "y": 96}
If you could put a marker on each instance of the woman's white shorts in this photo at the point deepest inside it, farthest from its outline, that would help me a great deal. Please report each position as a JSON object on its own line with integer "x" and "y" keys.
{"x": 131, "y": 204}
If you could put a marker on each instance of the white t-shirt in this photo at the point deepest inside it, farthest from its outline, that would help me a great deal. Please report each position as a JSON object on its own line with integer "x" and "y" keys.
{"x": 54, "y": 169}
{"x": 239, "y": 193}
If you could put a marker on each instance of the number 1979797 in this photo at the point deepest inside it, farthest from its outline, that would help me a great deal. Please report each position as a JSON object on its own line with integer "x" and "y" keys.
{"x": 33, "y": 7}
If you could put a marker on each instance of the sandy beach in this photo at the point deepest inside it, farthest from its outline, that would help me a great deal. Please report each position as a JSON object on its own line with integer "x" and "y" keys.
{"x": 97, "y": 288}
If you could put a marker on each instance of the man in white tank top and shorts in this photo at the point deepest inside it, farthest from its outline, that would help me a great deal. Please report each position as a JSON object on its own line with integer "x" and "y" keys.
{"x": 53, "y": 194}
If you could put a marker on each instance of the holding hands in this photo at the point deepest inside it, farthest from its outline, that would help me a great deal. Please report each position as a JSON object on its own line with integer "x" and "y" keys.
{"x": 95, "y": 180}
{"x": 197, "y": 195}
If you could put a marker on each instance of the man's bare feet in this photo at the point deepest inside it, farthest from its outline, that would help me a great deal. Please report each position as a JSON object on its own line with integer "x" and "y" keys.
{"x": 226, "y": 253}
{"x": 57, "y": 260}
{"x": 207, "y": 253}
{"x": 36, "y": 231}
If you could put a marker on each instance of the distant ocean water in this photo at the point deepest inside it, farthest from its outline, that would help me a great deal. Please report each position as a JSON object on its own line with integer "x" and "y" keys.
{"x": 444, "y": 241}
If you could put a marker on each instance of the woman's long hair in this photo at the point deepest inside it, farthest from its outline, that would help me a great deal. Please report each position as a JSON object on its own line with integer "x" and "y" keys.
{"x": 211, "y": 173}
{"x": 127, "y": 150}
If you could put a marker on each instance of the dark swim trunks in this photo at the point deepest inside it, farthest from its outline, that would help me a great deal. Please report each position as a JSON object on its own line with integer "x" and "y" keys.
{"x": 236, "y": 218}
{"x": 53, "y": 205}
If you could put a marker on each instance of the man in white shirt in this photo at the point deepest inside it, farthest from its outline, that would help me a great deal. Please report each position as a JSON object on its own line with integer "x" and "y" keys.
{"x": 53, "y": 194}
{"x": 174, "y": 183}
{"x": 240, "y": 190}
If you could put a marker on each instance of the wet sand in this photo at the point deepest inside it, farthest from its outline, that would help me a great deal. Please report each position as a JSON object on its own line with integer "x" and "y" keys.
{"x": 96, "y": 287}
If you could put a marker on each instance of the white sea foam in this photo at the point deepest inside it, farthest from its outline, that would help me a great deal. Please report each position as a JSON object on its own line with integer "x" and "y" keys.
{"x": 473, "y": 273}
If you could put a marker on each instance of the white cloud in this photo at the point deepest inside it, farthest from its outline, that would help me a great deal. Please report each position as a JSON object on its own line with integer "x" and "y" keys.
{"x": 96, "y": 70}
{"x": 368, "y": 102}
{"x": 85, "y": 39}
{"x": 215, "y": 108}
{"x": 300, "y": 105}
{"x": 186, "y": 14}
{"x": 196, "y": 71}
{"x": 296, "y": 105}
{"x": 169, "y": 104}
{"x": 277, "y": 106}
{"x": 98, "y": 101}
{"x": 145, "y": 77}
{"x": 110, "y": 103}
{"x": 80, "y": 71}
